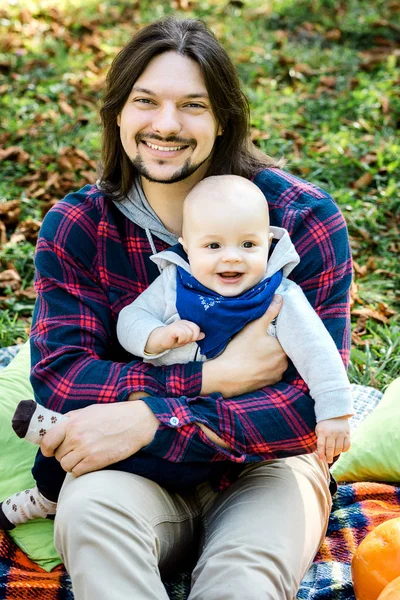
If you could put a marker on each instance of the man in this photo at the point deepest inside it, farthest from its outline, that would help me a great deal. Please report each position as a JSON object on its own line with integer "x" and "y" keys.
{"x": 173, "y": 113}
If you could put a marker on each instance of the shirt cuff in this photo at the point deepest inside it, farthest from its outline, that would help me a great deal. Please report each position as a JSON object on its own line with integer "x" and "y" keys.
{"x": 171, "y": 412}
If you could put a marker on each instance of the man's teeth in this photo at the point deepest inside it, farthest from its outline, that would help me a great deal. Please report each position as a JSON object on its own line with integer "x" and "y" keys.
{"x": 164, "y": 148}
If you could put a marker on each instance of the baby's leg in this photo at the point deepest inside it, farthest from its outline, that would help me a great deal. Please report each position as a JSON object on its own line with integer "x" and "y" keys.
{"x": 31, "y": 421}
{"x": 24, "y": 506}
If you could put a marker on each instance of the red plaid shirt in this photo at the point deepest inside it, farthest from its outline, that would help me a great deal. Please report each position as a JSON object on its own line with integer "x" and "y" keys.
{"x": 91, "y": 261}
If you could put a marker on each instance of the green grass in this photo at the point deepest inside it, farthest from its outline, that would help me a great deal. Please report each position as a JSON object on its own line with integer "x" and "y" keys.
{"x": 323, "y": 81}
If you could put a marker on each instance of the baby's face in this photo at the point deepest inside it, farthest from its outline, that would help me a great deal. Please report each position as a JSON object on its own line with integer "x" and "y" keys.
{"x": 227, "y": 246}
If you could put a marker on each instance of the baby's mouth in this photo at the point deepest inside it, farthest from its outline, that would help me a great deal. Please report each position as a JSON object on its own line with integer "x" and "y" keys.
{"x": 230, "y": 276}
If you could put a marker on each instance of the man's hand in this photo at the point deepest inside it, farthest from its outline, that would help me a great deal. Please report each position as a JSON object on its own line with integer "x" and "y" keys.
{"x": 252, "y": 360}
{"x": 171, "y": 336}
{"x": 333, "y": 437}
{"x": 100, "y": 435}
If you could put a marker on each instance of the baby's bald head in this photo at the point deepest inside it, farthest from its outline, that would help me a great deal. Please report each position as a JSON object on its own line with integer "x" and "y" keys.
{"x": 226, "y": 234}
{"x": 227, "y": 197}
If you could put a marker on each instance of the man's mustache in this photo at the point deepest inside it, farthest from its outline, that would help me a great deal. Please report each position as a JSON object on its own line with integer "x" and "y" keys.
{"x": 171, "y": 139}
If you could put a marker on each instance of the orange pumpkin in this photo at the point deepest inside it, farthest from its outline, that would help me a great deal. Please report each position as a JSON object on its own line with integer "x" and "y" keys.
{"x": 377, "y": 560}
{"x": 391, "y": 591}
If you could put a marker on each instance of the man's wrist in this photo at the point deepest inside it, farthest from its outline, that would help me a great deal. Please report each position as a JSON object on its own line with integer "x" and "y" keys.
{"x": 211, "y": 379}
{"x": 148, "y": 420}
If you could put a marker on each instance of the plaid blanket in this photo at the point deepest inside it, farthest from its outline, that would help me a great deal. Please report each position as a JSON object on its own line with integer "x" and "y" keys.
{"x": 357, "y": 509}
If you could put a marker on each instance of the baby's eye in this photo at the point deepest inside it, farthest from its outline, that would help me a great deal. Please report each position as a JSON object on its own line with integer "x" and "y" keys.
{"x": 213, "y": 246}
{"x": 248, "y": 244}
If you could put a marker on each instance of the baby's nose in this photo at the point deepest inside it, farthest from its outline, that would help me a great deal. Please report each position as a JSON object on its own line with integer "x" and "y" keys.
{"x": 231, "y": 255}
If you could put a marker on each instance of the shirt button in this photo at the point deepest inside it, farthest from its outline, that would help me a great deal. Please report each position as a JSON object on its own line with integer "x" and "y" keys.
{"x": 174, "y": 421}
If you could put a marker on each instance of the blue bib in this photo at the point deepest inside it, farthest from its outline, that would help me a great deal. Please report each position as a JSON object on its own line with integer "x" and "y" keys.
{"x": 220, "y": 317}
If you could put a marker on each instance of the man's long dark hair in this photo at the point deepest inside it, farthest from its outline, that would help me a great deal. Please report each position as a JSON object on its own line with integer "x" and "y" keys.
{"x": 233, "y": 151}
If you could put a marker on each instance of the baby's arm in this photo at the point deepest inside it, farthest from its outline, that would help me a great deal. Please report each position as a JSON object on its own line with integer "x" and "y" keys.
{"x": 310, "y": 347}
{"x": 171, "y": 336}
{"x": 141, "y": 325}
{"x": 137, "y": 320}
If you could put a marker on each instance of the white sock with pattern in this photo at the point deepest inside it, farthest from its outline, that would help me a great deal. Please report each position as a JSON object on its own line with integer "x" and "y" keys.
{"x": 32, "y": 421}
{"x": 29, "y": 504}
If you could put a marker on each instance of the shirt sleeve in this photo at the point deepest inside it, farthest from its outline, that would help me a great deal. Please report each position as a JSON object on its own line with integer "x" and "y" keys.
{"x": 137, "y": 320}
{"x": 309, "y": 346}
{"x": 73, "y": 341}
{"x": 277, "y": 421}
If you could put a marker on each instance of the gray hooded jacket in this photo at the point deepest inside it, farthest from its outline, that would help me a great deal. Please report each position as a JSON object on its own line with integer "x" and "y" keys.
{"x": 298, "y": 328}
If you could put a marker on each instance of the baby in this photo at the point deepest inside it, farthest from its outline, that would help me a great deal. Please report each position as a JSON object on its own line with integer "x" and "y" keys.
{"x": 219, "y": 279}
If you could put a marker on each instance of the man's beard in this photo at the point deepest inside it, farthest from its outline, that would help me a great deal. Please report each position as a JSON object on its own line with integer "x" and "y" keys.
{"x": 183, "y": 173}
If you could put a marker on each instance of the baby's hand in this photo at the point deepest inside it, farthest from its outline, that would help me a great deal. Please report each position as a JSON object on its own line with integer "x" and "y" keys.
{"x": 172, "y": 336}
{"x": 333, "y": 437}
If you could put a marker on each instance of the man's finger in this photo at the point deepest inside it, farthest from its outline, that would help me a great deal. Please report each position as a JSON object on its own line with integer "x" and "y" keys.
{"x": 273, "y": 310}
{"x": 69, "y": 461}
{"x": 53, "y": 439}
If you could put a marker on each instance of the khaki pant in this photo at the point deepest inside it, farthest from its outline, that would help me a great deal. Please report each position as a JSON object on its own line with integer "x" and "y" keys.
{"x": 116, "y": 532}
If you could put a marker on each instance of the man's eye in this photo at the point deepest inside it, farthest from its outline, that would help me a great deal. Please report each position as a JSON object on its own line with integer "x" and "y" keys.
{"x": 213, "y": 246}
{"x": 194, "y": 105}
{"x": 248, "y": 244}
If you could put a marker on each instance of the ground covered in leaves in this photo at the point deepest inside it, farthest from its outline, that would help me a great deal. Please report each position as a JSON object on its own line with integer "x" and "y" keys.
{"x": 323, "y": 82}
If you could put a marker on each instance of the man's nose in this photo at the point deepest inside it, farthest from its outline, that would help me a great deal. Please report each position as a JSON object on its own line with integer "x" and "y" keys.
{"x": 166, "y": 120}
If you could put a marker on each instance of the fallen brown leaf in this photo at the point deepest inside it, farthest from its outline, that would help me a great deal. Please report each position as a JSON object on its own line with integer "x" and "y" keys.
{"x": 329, "y": 82}
{"x": 16, "y": 238}
{"x": 386, "y": 310}
{"x": 66, "y": 108}
{"x": 363, "y": 181}
{"x": 14, "y": 153}
{"x": 357, "y": 339}
{"x": 361, "y": 271}
{"x": 29, "y": 229}
{"x": 333, "y": 35}
{"x": 10, "y": 278}
{"x": 90, "y": 176}
{"x": 384, "y": 100}
{"x": 354, "y": 297}
{"x": 369, "y": 159}
{"x": 28, "y": 293}
{"x": 370, "y": 313}
{"x": 390, "y": 274}
{"x": 10, "y": 212}
{"x": 3, "y": 235}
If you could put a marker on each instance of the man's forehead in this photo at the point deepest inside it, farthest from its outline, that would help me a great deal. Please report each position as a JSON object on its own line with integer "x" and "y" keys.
{"x": 172, "y": 72}
{"x": 151, "y": 92}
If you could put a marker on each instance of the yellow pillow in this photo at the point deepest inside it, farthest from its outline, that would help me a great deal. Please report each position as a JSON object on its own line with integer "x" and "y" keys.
{"x": 16, "y": 460}
{"x": 375, "y": 450}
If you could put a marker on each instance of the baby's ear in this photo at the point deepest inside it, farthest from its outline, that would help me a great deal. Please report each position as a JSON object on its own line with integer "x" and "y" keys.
{"x": 270, "y": 238}
{"x": 182, "y": 243}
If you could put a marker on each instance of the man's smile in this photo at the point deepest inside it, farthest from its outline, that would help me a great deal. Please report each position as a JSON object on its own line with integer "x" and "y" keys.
{"x": 163, "y": 148}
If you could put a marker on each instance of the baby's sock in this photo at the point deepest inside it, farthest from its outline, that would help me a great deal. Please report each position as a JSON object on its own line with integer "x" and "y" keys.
{"x": 24, "y": 506}
{"x": 32, "y": 421}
